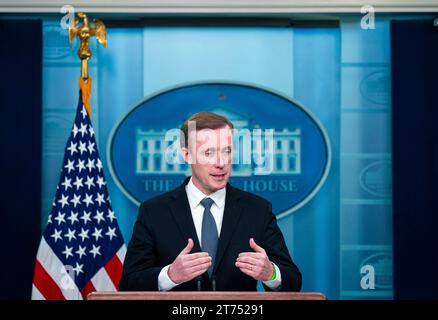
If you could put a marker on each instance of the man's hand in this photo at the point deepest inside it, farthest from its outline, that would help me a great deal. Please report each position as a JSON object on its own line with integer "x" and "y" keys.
{"x": 188, "y": 266}
{"x": 255, "y": 264}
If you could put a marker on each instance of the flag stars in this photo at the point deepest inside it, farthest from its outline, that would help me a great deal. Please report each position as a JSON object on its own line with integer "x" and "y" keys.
{"x": 60, "y": 218}
{"x": 99, "y": 165}
{"x": 78, "y": 183}
{"x": 78, "y": 268}
{"x": 90, "y": 182}
{"x": 91, "y": 130}
{"x": 56, "y": 235}
{"x": 91, "y": 147}
{"x": 74, "y": 130}
{"x": 111, "y": 233}
{"x": 100, "y": 199}
{"x": 83, "y": 129}
{"x": 81, "y": 251}
{"x": 86, "y": 217}
{"x": 76, "y": 200}
{"x": 73, "y": 217}
{"x": 70, "y": 165}
{"x": 84, "y": 234}
{"x": 49, "y": 219}
{"x": 82, "y": 147}
{"x": 88, "y": 199}
{"x": 81, "y": 165}
{"x": 63, "y": 201}
{"x": 99, "y": 217}
{"x": 72, "y": 148}
{"x": 70, "y": 234}
{"x": 97, "y": 234}
{"x": 95, "y": 251}
{"x": 66, "y": 183}
{"x": 111, "y": 215}
{"x": 100, "y": 182}
{"x": 90, "y": 164}
{"x": 67, "y": 252}
{"x": 84, "y": 112}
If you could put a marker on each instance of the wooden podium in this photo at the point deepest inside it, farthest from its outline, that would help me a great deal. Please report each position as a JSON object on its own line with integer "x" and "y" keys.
{"x": 205, "y": 295}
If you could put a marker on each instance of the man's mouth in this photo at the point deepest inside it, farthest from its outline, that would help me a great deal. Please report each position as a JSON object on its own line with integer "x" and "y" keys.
{"x": 220, "y": 176}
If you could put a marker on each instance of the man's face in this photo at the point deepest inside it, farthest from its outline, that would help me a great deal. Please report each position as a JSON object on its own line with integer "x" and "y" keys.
{"x": 210, "y": 153}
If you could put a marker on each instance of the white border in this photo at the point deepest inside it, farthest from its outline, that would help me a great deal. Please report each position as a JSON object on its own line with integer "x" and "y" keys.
{"x": 283, "y": 214}
{"x": 218, "y": 6}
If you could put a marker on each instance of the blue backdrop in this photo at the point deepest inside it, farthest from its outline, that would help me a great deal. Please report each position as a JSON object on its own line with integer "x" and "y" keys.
{"x": 341, "y": 74}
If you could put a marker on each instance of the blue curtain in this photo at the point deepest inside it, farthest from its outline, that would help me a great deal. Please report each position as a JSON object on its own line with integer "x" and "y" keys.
{"x": 415, "y": 150}
{"x": 20, "y": 162}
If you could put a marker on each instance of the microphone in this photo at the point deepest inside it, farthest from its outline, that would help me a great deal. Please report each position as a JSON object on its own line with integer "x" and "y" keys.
{"x": 198, "y": 283}
{"x": 213, "y": 283}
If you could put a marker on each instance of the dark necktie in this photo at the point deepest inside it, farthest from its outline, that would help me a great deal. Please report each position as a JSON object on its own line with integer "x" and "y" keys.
{"x": 209, "y": 234}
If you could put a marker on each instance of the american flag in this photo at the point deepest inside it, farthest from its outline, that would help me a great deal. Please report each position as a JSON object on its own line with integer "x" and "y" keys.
{"x": 82, "y": 249}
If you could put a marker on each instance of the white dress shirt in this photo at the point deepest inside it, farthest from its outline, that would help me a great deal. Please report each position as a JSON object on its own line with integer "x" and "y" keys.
{"x": 195, "y": 197}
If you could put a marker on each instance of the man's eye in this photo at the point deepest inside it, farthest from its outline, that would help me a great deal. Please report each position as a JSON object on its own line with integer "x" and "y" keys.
{"x": 227, "y": 152}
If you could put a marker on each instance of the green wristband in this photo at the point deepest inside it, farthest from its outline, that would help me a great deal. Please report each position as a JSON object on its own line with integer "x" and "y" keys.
{"x": 274, "y": 275}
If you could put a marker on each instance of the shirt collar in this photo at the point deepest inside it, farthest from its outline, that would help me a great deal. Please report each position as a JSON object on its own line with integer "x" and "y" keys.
{"x": 195, "y": 195}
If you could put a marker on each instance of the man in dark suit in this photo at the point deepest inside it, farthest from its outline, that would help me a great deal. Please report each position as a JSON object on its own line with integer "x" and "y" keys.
{"x": 206, "y": 234}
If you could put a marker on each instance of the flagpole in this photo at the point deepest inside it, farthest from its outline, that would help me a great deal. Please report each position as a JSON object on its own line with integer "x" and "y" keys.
{"x": 84, "y": 33}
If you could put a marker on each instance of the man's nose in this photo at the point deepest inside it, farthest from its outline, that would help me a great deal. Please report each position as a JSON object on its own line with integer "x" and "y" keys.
{"x": 220, "y": 161}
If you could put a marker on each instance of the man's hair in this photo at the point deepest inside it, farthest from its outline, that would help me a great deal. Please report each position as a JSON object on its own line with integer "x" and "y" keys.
{"x": 203, "y": 120}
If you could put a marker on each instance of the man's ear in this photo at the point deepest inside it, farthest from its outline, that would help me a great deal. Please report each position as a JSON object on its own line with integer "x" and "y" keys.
{"x": 186, "y": 155}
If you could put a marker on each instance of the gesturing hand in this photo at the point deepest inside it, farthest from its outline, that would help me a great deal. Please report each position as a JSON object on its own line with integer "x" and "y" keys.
{"x": 255, "y": 264}
{"x": 188, "y": 265}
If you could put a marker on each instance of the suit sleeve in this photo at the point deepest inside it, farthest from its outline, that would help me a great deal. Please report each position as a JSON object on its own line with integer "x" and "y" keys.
{"x": 276, "y": 249}
{"x": 139, "y": 269}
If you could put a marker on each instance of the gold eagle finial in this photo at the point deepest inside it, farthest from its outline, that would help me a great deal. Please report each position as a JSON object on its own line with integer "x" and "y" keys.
{"x": 84, "y": 32}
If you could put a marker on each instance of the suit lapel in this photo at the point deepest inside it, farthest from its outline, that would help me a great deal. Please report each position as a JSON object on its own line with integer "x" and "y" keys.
{"x": 232, "y": 212}
{"x": 182, "y": 214}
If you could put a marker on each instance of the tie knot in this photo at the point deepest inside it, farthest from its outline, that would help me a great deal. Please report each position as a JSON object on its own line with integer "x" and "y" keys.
{"x": 207, "y": 203}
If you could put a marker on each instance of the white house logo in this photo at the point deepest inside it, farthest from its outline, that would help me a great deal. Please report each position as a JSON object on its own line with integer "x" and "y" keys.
{"x": 281, "y": 152}
{"x": 376, "y": 178}
{"x": 375, "y": 87}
